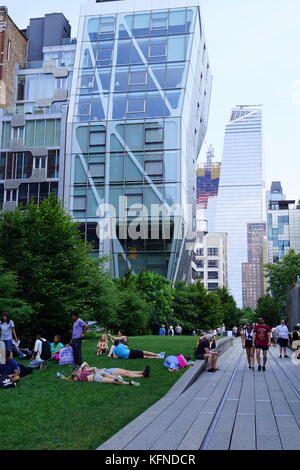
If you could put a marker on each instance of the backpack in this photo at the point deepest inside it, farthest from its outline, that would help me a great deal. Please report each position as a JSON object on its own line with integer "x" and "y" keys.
{"x": 6, "y": 382}
{"x": 46, "y": 351}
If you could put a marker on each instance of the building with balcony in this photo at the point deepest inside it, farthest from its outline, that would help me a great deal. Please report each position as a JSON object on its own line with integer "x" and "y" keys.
{"x": 33, "y": 129}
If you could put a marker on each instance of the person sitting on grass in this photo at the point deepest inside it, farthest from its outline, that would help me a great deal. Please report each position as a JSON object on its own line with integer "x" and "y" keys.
{"x": 11, "y": 368}
{"x": 102, "y": 346}
{"x": 91, "y": 374}
{"x": 121, "y": 337}
{"x": 56, "y": 347}
{"x": 175, "y": 363}
{"x": 203, "y": 353}
{"x": 121, "y": 351}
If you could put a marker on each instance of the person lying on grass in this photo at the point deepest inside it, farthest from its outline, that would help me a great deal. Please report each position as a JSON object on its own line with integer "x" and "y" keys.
{"x": 121, "y": 351}
{"x": 121, "y": 337}
{"x": 111, "y": 376}
{"x": 175, "y": 363}
{"x": 102, "y": 346}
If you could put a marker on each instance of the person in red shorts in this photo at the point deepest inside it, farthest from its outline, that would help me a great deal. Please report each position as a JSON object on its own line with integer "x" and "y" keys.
{"x": 262, "y": 341}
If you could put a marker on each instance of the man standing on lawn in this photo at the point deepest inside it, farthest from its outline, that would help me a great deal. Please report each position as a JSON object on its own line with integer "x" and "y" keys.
{"x": 78, "y": 333}
{"x": 262, "y": 341}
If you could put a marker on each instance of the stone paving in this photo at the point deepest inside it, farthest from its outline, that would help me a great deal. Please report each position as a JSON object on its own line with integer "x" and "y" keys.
{"x": 234, "y": 408}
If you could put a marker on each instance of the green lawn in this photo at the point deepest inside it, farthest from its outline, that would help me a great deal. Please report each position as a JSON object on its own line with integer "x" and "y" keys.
{"x": 46, "y": 413}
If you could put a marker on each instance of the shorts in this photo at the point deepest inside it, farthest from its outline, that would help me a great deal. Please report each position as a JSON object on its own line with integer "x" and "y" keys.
{"x": 98, "y": 377}
{"x": 263, "y": 348}
{"x": 109, "y": 371}
{"x": 201, "y": 357}
{"x": 283, "y": 342}
{"x": 136, "y": 354}
{"x": 248, "y": 344}
{"x": 8, "y": 345}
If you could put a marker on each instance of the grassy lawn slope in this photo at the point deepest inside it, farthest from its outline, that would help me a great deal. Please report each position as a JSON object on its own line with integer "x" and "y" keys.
{"x": 46, "y": 413}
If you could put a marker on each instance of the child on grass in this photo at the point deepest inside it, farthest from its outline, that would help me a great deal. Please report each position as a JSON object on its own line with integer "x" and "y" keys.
{"x": 102, "y": 346}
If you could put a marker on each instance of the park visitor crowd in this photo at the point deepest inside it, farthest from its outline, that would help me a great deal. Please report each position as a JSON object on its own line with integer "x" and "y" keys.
{"x": 254, "y": 337}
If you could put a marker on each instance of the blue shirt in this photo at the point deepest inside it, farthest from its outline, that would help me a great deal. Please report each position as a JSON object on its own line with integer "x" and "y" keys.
{"x": 121, "y": 351}
{"x": 171, "y": 362}
{"x": 9, "y": 368}
{"x": 162, "y": 332}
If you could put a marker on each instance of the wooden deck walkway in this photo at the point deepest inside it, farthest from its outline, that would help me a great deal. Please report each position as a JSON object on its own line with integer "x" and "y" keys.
{"x": 234, "y": 408}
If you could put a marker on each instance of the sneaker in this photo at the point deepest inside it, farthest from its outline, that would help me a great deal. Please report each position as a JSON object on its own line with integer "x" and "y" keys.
{"x": 162, "y": 355}
{"x": 264, "y": 368}
{"x": 146, "y": 373}
{"x": 211, "y": 370}
{"x": 287, "y": 357}
{"x": 280, "y": 356}
{"x": 133, "y": 383}
{"x": 259, "y": 368}
{"x": 119, "y": 379}
{"x": 60, "y": 376}
{"x": 249, "y": 367}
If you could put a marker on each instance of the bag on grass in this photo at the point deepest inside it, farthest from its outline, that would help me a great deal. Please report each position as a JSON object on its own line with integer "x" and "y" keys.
{"x": 66, "y": 356}
{"x": 46, "y": 351}
{"x": 6, "y": 382}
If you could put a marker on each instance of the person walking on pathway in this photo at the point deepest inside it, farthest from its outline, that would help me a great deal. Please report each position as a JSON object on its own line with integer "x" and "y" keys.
{"x": 8, "y": 331}
{"x": 262, "y": 342}
{"x": 78, "y": 333}
{"x": 247, "y": 343}
{"x": 283, "y": 338}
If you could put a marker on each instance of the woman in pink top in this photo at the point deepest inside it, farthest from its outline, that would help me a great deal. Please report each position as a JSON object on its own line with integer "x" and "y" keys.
{"x": 91, "y": 374}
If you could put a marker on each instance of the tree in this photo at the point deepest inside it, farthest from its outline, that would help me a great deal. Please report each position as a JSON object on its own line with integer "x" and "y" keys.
{"x": 55, "y": 270}
{"x": 269, "y": 309}
{"x": 207, "y": 306}
{"x": 158, "y": 293}
{"x": 282, "y": 275}
{"x": 231, "y": 313}
{"x": 20, "y": 311}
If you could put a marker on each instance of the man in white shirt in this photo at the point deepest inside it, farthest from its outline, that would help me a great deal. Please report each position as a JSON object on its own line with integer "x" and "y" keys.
{"x": 282, "y": 338}
{"x": 37, "y": 362}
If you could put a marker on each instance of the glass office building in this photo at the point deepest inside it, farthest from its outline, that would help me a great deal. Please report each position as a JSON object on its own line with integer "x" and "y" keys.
{"x": 239, "y": 202}
{"x": 138, "y": 117}
{"x": 283, "y": 218}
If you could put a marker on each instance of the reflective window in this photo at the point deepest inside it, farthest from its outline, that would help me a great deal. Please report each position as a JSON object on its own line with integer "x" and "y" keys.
{"x": 154, "y": 135}
{"x": 136, "y": 106}
{"x": 137, "y": 78}
{"x": 154, "y": 168}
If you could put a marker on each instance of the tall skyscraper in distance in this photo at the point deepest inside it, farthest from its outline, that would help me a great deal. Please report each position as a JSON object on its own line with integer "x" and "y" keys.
{"x": 253, "y": 270}
{"x": 240, "y": 198}
{"x": 138, "y": 117}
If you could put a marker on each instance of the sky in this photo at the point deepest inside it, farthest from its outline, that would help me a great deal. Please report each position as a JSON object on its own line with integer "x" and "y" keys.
{"x": 253, "y": 47}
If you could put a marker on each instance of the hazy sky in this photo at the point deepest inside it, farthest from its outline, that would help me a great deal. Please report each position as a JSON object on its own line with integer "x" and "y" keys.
{"x": 254, "y": 50}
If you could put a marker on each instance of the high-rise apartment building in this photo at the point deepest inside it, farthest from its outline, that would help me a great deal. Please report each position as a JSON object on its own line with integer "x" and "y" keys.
{"x": 210, "y": 260}
{"x": 138, "y": 117}
{"x": 33, "y": 130}
{"x": 283, "y": 220}
{"x": 13, "y": 48}
{"x": 240, "y": 196}
{"x": 253, "y": 270}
